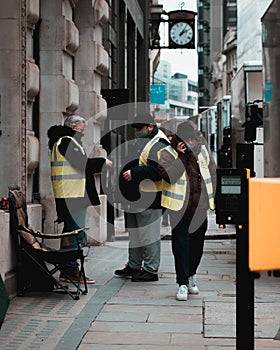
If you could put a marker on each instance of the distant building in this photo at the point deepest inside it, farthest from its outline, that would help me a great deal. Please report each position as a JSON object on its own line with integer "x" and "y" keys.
{"x": 181, "y": 94}
{"x": 216, "y": 40}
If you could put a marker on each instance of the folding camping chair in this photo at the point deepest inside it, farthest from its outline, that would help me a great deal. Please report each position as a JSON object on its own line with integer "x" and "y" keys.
{"x": 36, "y": 262}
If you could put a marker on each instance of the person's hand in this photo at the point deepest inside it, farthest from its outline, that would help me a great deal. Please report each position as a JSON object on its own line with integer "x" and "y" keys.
{"x": 127, "y": 175}
{"x": 108, "y": 163}
{"x": 181, "y": 147}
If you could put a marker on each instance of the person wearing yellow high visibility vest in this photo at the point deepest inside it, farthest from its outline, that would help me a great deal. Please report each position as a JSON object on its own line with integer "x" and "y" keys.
{"x": 189, "y": 203}
{"x": 72, "y": 182}
{"x": 140, "y": 185}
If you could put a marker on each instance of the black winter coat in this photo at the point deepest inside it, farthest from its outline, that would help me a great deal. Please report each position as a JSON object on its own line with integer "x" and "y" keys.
{"x": 129, "y": 190}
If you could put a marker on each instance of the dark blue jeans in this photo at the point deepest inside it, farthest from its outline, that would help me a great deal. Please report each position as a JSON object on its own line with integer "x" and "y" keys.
{"x": 75, "y": 221}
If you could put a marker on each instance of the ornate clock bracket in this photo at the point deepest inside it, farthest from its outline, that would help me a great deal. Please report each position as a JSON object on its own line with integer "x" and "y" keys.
{"x": 183, "y": 18}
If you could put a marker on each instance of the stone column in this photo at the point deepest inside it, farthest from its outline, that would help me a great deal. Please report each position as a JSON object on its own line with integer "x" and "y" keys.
{"x": 91, "y": 64}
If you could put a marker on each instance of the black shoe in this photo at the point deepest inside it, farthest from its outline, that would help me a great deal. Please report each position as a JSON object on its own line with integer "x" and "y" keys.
{"x": 126, "y": 272}
{"x": 144, "y": 276}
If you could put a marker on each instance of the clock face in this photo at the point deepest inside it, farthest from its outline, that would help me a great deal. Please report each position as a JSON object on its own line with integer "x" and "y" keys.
{"x": 181, "y": 33}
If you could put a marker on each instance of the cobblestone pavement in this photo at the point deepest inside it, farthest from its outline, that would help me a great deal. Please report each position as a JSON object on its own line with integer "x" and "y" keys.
{"x": 120, "y": 314}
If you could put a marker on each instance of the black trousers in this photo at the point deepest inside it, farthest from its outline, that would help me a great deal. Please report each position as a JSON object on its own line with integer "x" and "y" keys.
{"x": 197, "y": 246}
{"x": 187, "y": 248}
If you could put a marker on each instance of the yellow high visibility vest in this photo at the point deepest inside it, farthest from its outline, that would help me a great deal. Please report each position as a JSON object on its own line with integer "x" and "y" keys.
{"x": 67, "y": 181}
{"x": 173, "y": 195}
{"x": 149, "y": 185}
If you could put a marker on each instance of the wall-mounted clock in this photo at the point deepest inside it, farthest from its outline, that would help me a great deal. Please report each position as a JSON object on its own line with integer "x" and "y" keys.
{"x": 181, "y": 34}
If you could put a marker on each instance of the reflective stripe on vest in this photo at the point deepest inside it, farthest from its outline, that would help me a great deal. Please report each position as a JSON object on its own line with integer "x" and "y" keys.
{"x": 203, "y": 162}
{"x": 173, "y": 195}
{"x": 67, "y": 182}
{"x": 149, "y": 185}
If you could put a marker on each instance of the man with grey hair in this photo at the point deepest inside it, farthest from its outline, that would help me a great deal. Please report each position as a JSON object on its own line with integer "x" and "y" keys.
{"x": 74, "y": 121}
{"x": 73, "y": 182}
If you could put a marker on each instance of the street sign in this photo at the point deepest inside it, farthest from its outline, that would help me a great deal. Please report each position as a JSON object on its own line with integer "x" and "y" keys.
{"x": 157, "y": 94}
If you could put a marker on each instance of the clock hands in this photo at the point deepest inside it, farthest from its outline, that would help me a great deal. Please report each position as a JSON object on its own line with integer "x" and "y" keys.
{"x": 184, "y": 30}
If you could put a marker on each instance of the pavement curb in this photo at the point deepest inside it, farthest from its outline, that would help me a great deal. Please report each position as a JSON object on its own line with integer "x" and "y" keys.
{"x": 75, "y": 333}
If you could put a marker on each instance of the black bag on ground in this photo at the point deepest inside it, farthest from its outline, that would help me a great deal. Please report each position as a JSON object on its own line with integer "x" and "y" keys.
{"x": 4, "y": 301}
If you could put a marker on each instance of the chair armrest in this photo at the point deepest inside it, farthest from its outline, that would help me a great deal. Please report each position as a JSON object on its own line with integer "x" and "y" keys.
{"x": 51, "y": 235}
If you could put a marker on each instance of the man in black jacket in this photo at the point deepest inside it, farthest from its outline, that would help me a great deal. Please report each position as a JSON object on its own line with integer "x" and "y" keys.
{"x": 140, "y": 185}
{"x": 72, "y": 181}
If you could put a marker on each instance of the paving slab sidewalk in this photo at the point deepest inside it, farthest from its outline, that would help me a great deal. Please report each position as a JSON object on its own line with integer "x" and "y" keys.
{"x": 120, "y": 314}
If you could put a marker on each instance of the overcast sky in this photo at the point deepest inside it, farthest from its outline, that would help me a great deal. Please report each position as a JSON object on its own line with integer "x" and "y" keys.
{"x": 182, "y": 60}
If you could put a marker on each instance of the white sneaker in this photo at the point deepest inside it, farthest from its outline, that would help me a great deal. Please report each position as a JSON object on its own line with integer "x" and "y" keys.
{"x": 192, "y": 287}
{"x": 182, "y": 293}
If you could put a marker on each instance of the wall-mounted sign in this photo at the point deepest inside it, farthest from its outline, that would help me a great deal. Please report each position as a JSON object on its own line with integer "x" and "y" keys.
{"x": 157, "y": 94}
